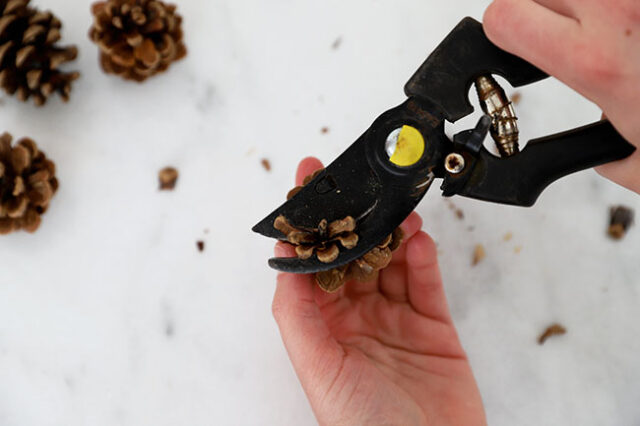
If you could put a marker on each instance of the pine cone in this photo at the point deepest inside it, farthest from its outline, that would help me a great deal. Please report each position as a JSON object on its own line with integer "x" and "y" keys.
{"x": 364, "y": 269}
{"x": 27, "y": 184}
{"x": 137, "y": 38}
{"x": 325, "y": 242}
{"x": 29, "y": 59}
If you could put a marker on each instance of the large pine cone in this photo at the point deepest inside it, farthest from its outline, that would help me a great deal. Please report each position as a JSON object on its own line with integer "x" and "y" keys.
{"x": 137, "y": 38}
{"x": 325, "y": 242}
{"x": 29, "y": 58}
{"x": 27, "y": 184}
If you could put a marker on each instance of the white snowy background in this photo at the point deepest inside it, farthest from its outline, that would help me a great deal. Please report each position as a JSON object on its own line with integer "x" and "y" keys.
{"x": 109, "y": 315}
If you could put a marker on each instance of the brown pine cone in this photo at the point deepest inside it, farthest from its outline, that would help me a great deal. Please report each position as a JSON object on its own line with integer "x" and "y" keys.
{"x": 325, "y": 241}
{"x": 27, "y": 184}
{"x": 363, "y": 270}
{"x": 137, "y": 38}
{"x": 29, "y": 57}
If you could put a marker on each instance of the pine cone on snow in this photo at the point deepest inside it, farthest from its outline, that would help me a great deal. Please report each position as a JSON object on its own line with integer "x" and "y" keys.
{"x": 27, "y": 184}
{"x": 29, "y": 57}
{"x": 326, "y": 241}
{"x": 137, "y": 38}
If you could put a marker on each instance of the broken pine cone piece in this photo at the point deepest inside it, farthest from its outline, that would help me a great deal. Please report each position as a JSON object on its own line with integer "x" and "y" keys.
{"x": 620, "y": 222}
{"x": 325, "y": 242}
{"x": 137, "y": 38}
{"x": 551, "y": 331}
{"x": 29, "y": 55}
{"x": 27, "y": 184}
{"x": 168, "y": 177}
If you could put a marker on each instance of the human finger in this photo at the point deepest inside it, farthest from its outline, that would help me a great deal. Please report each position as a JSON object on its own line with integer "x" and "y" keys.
{"x": 393, "y": 283}
{"x": 535, "y": 33}
{"x": 313, "y": 351}
{"x": 410, "y": 226}
{"x": 425, "y": 290}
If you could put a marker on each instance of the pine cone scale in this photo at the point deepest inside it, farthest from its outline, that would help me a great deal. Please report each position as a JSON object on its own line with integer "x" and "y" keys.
{"x": 5, "y": 22}
{"x": 147, "y": 54}
{"x": 17, "y": 207}
{"x": 42, "y": 17}
{"x": 167, "y": 48}
{"x": 332, "y": 280}
{"x": 15, "y": 5}
{"x": 60, "y": 57}
{"x": 20, "y": 159}
{"x": 32, "y": 33}
{"x": 6, "y": 226}
{"x": 328, "y": 254}
{"x": 123, "y": 55}
{"x": 134, "y": 39}
{"x": 18, "y": 186}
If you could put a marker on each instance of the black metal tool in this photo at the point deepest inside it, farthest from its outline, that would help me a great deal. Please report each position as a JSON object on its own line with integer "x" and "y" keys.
{"x": 376, "y": 183}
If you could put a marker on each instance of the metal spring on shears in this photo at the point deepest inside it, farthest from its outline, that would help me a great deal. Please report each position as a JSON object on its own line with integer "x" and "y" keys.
{"x": 496, "y": 104}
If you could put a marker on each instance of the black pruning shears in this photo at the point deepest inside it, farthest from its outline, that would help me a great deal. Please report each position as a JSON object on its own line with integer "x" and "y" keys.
{"x": 381, "y": 178}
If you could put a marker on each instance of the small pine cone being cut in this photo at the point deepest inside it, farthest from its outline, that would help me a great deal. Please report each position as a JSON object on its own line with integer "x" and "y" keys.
{"x": 363, "y": 270}
{"x": 27, "y": 184}
{"x": 325, "y": 242}
{"x": 137, "y": 38}
{"x": 29, "y": 57}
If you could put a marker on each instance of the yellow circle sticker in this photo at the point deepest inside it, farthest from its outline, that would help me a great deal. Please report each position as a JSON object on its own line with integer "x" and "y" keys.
{"x": 405, "y": 146}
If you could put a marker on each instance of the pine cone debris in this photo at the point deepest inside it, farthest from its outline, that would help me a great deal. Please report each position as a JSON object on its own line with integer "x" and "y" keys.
{"x": 326, "y": 241}
{"x": 168, "y": 177}
{"x": 27, "y": 184}
{"x": 620, "y": 222}
{"x": 137, "y": 38}
{"x": 29, "y": 57}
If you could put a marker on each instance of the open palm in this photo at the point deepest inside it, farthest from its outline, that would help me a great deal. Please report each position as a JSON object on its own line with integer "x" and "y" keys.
{"x": 383, "y": 352}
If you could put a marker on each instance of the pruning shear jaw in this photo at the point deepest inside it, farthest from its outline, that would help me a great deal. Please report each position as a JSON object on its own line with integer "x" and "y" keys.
{"x": 378, "y": 182}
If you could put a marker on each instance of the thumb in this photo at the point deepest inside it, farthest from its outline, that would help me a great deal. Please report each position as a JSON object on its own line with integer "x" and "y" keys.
{"x": 315, "y": 354}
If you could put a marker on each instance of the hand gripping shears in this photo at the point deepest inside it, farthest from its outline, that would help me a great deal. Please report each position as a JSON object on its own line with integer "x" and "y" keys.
{"x": 381, "y": 178}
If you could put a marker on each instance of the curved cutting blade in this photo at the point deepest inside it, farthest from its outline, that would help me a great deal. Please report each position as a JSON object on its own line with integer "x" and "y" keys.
{"x": 364, "y": 184}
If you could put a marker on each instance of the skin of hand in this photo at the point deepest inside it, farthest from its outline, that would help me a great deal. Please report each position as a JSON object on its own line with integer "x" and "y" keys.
{"x": 379, "y": 353}
{"x": 593, "y": 46}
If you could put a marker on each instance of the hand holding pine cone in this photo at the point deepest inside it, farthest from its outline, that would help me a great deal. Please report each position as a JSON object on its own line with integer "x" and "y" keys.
{"x": 29, "y": 57}
{"x": 137, "y": 38}
{"x": 27, "y": 184}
